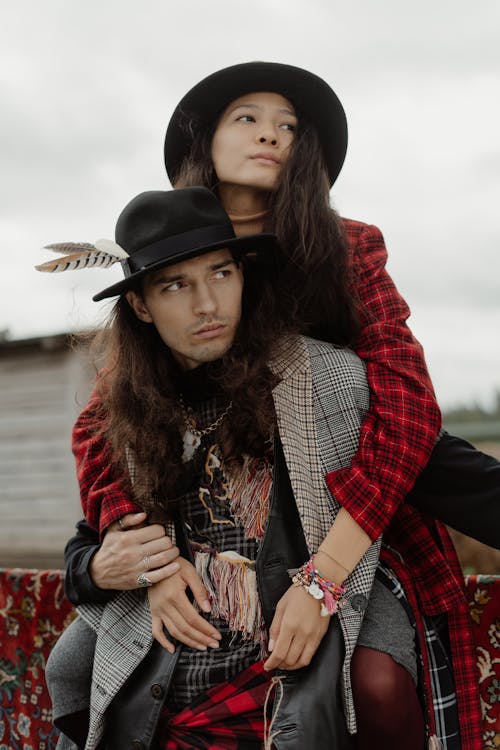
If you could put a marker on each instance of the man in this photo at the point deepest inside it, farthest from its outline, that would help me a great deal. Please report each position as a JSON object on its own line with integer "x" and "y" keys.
{"x": 222, "y": 425}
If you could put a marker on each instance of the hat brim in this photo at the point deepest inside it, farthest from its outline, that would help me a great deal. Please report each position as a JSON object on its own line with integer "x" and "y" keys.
{"x": 310, "y": 94}
{"x": 256, "y": 243}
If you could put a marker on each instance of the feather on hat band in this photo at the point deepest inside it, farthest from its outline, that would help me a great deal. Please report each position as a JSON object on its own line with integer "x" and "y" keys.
{"x": 103, "y": 253}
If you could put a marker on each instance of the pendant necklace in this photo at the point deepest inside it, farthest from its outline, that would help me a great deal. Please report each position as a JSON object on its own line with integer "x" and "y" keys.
{"x": 193, "y": 435}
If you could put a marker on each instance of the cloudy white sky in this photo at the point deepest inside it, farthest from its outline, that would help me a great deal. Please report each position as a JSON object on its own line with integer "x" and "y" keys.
{"x": 87, "y": 90}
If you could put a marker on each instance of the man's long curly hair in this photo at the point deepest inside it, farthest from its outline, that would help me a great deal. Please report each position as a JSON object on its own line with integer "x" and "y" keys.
{"x": 315, "y": 286}
{"x": 138, "y": 407}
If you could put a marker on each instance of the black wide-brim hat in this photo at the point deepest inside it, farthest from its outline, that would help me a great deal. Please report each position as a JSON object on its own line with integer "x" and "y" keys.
{"x": 311, "y": 96}
{"x": 161, "y": 227}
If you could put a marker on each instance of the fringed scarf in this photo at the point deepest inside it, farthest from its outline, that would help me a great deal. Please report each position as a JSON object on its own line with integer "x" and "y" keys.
{"x": 229, "y": 577}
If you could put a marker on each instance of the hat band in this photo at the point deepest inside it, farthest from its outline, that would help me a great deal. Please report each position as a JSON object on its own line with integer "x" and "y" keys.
{"x": 178, "y": 243}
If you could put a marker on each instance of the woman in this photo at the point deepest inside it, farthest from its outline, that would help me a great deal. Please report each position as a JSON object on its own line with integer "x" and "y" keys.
{"x": 260, "y": 135}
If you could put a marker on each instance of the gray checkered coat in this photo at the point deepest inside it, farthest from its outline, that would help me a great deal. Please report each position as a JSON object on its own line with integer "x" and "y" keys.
{"x": 320, "y": 402}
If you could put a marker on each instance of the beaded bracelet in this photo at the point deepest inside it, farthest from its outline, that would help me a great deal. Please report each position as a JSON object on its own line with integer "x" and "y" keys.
{"x": 329, "y": 593}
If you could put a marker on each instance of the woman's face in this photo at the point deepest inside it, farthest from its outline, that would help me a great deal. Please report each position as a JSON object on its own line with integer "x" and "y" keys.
{"x": 252, "y": 140}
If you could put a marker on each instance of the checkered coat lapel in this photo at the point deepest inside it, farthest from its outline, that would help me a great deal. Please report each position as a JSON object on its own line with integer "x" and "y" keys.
{"x": 124, "y": 637}
{"x": 320, "y": 402}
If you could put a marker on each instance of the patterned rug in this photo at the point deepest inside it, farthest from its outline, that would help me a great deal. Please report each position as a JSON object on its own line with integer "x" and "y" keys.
{"x": 34, "y": 612}
{"x": 484, "y": 602}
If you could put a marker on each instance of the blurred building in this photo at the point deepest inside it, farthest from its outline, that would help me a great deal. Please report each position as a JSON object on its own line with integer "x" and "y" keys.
{"x": 44, "y": 382}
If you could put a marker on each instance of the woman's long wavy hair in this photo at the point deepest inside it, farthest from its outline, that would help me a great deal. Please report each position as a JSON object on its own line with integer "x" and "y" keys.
{"x": 314, "y": 287}
{"x": 139, "y": 412}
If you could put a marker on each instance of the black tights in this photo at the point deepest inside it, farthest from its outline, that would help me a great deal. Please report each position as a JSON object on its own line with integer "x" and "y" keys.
{"x": 388, "y": 712}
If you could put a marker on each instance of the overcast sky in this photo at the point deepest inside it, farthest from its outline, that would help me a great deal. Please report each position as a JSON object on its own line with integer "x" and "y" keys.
{"x": 87, "y": 90}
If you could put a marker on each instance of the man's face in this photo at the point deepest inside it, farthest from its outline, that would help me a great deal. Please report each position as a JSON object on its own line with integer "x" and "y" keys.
{"x": 195, "y": 306}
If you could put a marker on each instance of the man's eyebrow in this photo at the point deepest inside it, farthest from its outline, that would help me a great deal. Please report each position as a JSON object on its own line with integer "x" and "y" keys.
{"x": 222, "y": 264}
{"x": 165, "y": 278}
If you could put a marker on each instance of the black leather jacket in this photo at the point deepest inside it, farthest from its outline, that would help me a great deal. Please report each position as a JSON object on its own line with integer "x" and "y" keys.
{"x": 310, "y": 712}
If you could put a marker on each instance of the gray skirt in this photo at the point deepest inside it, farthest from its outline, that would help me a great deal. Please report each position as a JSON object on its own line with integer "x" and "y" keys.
{"x": 386, "y": 628}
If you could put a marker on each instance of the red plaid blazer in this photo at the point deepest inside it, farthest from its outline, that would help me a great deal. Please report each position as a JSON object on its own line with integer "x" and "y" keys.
{"x": 400, "y": 429}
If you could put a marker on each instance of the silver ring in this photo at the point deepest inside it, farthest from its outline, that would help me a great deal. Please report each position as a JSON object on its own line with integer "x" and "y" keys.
{"x": 146, "y": 560}
{"x": 121, "y": 524}
{"x": 143, "y": 580}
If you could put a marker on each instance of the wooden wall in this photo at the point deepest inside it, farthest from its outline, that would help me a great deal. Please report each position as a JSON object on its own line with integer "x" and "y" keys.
{"x": 42, "y": 389}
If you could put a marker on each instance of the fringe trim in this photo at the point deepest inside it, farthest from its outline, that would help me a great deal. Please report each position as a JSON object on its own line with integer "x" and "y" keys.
{"x": 434, "y": 743}
{"x": 250, "y": 492}
{"x": 231, "y": 582}
{"x": 201, "y": 563}
{"x": 269, "y": 735}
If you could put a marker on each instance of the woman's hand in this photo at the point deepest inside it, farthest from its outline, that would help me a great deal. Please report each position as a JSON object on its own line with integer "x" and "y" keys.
{"x": 128, "y": 550}
{"x": 296, "y": 630}
{"x": 171, "y": 608}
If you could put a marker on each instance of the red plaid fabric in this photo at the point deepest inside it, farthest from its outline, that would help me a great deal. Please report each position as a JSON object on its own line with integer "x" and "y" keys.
{"x": 104, "y": 498}
{"x": 227, "y": 717}
{"x": 400, "y": 429}
{"x": 433, "y": 583}
{"x": 397, "y": 437}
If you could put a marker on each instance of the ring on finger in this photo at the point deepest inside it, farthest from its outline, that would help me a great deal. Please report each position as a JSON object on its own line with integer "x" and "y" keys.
{"x": 143, "y": 580}
{"x": 121, "y": 524}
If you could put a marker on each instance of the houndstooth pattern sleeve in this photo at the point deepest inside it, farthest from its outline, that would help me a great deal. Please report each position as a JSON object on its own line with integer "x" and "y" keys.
{"x": 124, "y": 637}
{"x": 320, "y": 402}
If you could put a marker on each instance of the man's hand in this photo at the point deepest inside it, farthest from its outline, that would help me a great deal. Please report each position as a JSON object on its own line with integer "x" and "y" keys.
{"x": 128, "y": 550}
{"x": 171, "y": 608}
{"x": 296, "y": 630}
